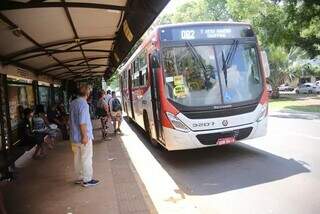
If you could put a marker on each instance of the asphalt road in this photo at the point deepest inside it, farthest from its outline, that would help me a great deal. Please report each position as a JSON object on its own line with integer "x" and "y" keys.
{"x": 279, "y": 173}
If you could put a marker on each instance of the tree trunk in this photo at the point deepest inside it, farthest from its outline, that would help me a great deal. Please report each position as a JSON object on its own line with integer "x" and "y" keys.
{"x": 275, "y": 93}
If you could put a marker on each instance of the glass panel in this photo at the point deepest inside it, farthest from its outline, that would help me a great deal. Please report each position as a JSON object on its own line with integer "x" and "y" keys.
{"x": 30, "y": 96}
{"x": 57, "y": 98}
{"x": 241, "y": 80}
{"x": 139, "y": 77}
{"x": 44, "y": 96}
{"x": 192, "y": 77}
{"x": 13, "y": 95}
{"x": 20, "y": 97}
{"x": 187, "y": 81}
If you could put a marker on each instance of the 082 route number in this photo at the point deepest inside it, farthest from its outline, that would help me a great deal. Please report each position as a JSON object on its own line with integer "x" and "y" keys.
{"x": 187, "y": 34}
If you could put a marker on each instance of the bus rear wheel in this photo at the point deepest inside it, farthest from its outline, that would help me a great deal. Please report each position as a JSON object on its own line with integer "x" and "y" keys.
{"x": 148, "y": 130}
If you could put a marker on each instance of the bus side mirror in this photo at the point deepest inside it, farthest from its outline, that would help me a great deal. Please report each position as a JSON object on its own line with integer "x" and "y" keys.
{"x": 155, "y": 62}
{"x": 265, "y": 64}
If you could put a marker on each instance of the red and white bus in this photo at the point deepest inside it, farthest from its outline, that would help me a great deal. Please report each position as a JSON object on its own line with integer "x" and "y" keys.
{"x": 196, "y": 85}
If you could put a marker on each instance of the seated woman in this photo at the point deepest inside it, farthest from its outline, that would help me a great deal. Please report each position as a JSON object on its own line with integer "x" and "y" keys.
{"x": 56, "y": 117}
{"x": 29, "y": 137}
{"x": 41, "y": 126}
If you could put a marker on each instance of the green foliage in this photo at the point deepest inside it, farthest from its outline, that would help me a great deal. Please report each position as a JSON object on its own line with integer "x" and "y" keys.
{"x": 245, "y": 10}
{"x": 277, "y": 62}
{"x": 291, "y": 23}
{"x": 285, "y": 23}
{"x": 303, "y": 20}
{"x": 216, "y": 10}
{"x": 283, "y": 65}
{"x": 113, "y": 82}
{"x": 197, "y": 10}
{"x": 310, "y": 69}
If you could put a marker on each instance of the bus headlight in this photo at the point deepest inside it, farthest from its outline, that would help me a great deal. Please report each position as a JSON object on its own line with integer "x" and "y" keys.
{"x": 263, "y": 112}
{"x": 176, "y": 123}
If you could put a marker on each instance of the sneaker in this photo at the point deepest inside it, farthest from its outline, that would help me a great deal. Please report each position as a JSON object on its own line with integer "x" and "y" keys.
{"x": 90, "y": 183}
{"x": 78, "y": 182}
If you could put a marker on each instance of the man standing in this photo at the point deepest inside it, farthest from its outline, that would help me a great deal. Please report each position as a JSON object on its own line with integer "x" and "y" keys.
{"x": 116, "y": 112}
{"x": 81, "y": 137}
{"x": 103, "y": 113}
{"x": 108, "y": 96}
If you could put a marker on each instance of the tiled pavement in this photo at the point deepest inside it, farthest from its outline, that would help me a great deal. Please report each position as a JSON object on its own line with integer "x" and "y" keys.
{"x": 46, "y": 186}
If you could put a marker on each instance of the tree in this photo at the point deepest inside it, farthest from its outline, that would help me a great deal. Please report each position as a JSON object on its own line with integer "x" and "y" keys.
{"x": 282, "y": 66}
{"x": 303, "y": 18}
{"x": 244, "y": 10}
{"x": 197, "y": 10}
{"x": 266, "y": 17}
{"x": 113, "y": 82}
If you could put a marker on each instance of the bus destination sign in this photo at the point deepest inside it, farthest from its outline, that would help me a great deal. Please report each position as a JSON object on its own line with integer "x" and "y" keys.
{"x": 205, "y": 32}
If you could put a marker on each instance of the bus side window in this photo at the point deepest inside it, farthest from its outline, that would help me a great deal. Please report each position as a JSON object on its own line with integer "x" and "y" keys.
{"x": 135, "y": 75}
{"x": 141, "y": 69}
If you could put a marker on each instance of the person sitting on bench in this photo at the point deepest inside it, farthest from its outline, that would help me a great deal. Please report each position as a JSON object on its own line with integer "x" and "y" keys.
{"x": 29, "y": 137}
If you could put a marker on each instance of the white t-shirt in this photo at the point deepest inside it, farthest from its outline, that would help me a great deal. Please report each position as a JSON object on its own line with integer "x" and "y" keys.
{"x": 107, "y": 98}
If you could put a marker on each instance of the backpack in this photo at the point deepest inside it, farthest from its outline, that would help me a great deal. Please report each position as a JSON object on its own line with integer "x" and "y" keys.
{"x": 100, "y": 111}
{"x": 116, "y": 105}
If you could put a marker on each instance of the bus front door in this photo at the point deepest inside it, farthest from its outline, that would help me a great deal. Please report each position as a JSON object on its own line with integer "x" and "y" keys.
{"x": 155, "y": 100}
{"x": 130, "y": 94}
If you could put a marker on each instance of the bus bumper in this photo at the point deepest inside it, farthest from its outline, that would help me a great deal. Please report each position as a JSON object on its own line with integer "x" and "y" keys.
{"x": 177, "y": 140}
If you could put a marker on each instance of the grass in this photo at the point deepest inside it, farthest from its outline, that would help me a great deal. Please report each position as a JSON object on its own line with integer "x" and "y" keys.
{"x": 293, "y": 103}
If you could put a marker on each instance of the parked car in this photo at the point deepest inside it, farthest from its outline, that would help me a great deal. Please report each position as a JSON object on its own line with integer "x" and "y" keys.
{"x": 285, "y": 87}
{"x": 316, "y": 89}
{"x": 305, "y": 88}
{"x": 317, "y": 83}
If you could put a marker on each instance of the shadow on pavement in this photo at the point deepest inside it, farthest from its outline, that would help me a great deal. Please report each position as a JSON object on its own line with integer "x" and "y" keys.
{"x": 221, "y": 169}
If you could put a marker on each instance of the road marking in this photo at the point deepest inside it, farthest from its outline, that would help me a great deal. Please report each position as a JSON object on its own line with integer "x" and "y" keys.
{"x": 165, "y": 194}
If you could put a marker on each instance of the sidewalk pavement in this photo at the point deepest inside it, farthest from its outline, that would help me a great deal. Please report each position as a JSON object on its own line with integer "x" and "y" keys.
{"x": 46, "y": 186}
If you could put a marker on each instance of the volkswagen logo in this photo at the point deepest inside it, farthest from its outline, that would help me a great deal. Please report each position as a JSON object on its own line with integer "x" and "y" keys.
{"x": 225, "y": 122}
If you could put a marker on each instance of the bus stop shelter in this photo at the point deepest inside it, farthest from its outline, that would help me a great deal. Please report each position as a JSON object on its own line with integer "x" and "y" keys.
{"x": 47, "y": 43}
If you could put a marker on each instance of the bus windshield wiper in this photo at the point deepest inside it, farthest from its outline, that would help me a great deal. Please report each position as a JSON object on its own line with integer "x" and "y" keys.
{"x": 226, "y": 62}
{"x": 197, "y": 56}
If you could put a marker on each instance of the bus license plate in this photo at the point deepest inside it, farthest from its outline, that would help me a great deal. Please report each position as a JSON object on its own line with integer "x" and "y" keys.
{"x": 226, "y": 140}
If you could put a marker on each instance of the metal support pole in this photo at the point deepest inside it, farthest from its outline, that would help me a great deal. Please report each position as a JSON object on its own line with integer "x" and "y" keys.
{"x": 35, "y": 89}
{"x": 7, "y": 110}
{"x": 51, "y": 95}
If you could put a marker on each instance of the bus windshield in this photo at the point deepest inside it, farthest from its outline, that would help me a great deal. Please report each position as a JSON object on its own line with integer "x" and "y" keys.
{"x": 209, "y": 75}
